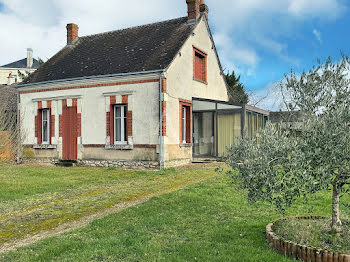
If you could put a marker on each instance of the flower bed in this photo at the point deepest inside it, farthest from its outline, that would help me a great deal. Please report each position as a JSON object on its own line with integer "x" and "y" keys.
{"x": 299, "y": 251}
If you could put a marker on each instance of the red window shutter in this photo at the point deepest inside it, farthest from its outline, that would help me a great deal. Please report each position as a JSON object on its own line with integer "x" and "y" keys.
{"x": 198, "y": 67}
{"x": 40, "y": 129}
{"x": 111, "y": 127}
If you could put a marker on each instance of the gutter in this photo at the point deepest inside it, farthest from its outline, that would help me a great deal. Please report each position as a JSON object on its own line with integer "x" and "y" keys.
{"x": 90, "y": 78}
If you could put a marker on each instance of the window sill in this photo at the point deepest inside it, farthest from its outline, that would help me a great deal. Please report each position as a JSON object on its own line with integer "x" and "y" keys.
{"x": 186, "y": 145}
{"x": 119, "y": 147}
{"x": 45, "y": 147}
{"x": 200, "y": 81}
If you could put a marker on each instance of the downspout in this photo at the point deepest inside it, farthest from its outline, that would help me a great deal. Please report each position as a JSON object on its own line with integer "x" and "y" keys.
{"x": 18, "y": 137}
{"x": 161, "y": 153}
{"x": 217, "y": 131}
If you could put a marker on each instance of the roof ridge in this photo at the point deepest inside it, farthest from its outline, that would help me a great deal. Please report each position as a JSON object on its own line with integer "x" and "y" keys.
{"x": 132, "y": 27}
{"x": 20, "y": 60}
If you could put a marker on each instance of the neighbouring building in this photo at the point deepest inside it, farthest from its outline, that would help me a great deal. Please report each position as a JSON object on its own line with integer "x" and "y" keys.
{"x": 139, "y": 97}
{"x": 8, "y": 103}
{"x": 9, "y": 73}
{"x": 291, "y": 120}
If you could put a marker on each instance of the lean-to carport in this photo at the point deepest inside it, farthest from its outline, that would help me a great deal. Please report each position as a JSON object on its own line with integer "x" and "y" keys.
{"x": 217, "y": 125}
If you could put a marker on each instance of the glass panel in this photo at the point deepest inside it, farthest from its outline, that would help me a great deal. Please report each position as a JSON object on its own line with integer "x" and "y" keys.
{"x": 203, "y": 136}
{"x": 118, "y": 129}
{"x": 118, "y": 113}
{"x": 44, "y": 115}
{"x": 184, "y": 124}
{"x": 45, "y": 129}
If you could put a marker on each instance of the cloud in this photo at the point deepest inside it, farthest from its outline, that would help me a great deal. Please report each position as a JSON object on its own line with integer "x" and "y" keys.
{"x": 318, "y": 35}
{"x": 243, "y": 29}
{"x": 233, "y": 54}
{"x": 329, "y": 9}
{"x": 40, "y": 24}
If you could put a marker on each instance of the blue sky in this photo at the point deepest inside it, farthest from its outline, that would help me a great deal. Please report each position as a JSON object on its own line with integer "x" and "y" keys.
{"x": 260, "y": 40}
{"x": 313, "y": 40}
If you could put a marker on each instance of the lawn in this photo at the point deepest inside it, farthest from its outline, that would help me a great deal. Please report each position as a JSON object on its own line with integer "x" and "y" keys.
{"x": 208, "y": 221}
{"x": 36, "y": 199}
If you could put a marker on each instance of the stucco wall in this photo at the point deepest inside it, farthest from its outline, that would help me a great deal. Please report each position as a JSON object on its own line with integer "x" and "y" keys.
{"x": 92, "y": 103}
{"x": 180, "y": 83}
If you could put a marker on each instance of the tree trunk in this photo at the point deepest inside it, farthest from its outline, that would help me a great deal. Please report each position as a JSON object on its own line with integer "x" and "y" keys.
{"x": 336, "y": 222}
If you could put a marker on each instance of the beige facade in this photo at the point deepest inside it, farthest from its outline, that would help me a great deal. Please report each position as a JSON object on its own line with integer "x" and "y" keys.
{"x": 13, "y": 72}
{"x": 181, "y": 85}
{"x": 92, "y": 105}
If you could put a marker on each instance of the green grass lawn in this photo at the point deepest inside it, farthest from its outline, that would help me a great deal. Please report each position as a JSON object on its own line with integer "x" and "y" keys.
{"x": 36, "y": 199}
{"x": 208, "y": 221}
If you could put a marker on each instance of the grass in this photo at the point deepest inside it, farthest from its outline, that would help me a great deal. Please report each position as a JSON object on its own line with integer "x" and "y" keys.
{"x": 315, "y": 233}
{"x": 208, "y": 221}
{"x": 36, "y": 199}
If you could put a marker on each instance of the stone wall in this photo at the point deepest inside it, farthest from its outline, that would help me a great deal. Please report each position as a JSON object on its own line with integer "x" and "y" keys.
{"x": 122, "y": 164}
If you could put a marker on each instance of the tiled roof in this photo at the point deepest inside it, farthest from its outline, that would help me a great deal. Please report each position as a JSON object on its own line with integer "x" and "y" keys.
{"x": 143, "y": 48}
{"x": 22, "y": 64}
{"x": 8, "y": 98}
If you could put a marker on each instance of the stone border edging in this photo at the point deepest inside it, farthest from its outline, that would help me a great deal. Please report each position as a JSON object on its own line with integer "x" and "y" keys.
{"x": 301, "y": 252}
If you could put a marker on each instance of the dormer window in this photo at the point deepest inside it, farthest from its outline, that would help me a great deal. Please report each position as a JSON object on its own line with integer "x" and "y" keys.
{"x": 200, "y": 65}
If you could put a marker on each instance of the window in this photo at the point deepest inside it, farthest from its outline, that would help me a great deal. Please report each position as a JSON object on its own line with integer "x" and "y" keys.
{"x": 200, "y": 65}
{"x": 120, "y": 124}
{"x": 45, "y": 126}
{"x": 186, "y": 131}
{"x": 184, "y": 125}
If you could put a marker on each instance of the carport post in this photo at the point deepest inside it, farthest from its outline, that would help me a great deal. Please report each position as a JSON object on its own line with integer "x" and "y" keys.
{"x": 243, "y": 116}
{"x": 217, "y": 130}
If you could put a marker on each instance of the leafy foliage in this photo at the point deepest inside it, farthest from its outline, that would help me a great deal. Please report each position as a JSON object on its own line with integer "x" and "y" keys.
{"x": 274, "y": 170}
{"x": 283, "y": 166}
{"x": 236, "y": 91}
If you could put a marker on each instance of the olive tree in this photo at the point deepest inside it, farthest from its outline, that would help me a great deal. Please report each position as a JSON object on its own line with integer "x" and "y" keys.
{"x": 285, "y": 165}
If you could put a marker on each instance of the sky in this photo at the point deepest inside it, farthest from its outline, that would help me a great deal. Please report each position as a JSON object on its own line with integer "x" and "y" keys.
{"x": 259, "y": 40}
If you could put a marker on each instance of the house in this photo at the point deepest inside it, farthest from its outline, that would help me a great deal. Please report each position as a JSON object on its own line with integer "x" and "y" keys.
{"x": 147, "y": 96}
{"x": 9, "y": 73}
{"x": 291, "y": 120}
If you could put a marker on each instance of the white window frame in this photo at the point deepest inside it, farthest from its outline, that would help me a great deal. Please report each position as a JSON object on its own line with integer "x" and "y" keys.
{"x": 123, "y": 119}
{"x": 184, "y": 125}
{"x": 47, "y": 112}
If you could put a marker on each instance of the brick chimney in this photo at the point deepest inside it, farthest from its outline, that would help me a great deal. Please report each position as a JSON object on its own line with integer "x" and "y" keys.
{"x": 72, "y": 33}
{"x": 193, "y": 7}
{"x": 29, "y": 58}
{"x": 204, "y": 9}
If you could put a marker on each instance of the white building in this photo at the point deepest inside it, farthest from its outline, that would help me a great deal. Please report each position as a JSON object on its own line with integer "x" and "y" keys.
{"x": 9, "y": 73}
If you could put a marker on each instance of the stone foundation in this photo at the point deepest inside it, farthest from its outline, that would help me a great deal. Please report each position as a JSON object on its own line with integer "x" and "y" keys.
{"x": 122, "y": 164}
